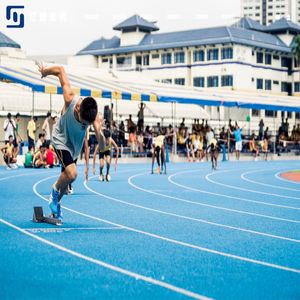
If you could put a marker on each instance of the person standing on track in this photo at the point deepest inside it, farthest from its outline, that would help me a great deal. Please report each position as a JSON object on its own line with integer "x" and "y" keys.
{"x": 214, "y": 147}
{"x": 238, "y": 140}
{"x": 46, "y": 128}
{"x": 107, "y": 153}
{"x": 69, "y": 133}
{"x": 159, "y": 148}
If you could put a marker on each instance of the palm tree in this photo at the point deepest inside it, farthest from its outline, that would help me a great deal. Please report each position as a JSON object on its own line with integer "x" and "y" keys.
{"x": 296, "y": 51}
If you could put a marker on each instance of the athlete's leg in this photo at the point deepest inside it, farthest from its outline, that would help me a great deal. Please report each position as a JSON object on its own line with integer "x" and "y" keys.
{"x": 153, "y": 158}
{"x": 107, "y": 163}
{"x": 163, "y": 160}
{"x": 67, "y": 177}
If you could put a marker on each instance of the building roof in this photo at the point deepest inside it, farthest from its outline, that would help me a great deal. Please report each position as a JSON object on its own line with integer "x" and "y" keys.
{"x": 5, "y": 41}
{"x": 136, "y": 21}
{"x": 247, "y": 23}
{"x": 189, "y": 38}
{"x": 282, "y": 24}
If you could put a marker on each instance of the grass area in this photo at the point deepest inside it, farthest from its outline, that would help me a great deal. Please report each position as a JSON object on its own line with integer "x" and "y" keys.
{"x": 296, "y": 171}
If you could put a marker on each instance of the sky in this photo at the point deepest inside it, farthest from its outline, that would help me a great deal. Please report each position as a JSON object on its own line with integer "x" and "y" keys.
{"x": 64, "y": 27}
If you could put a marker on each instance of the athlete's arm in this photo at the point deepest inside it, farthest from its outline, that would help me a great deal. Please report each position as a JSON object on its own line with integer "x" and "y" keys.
{"x": 94, "y": 159}
{"x": 87, "y": 156}
{"x": 59, "y": 72}
{"x": 98, "y": 125}
{"x": 230, "y": 131}
{"x": 6, "y": 125}
{"x": 2, "y": 149}
{"x": 117, "y": 148}
{"x": 44, "y": 127}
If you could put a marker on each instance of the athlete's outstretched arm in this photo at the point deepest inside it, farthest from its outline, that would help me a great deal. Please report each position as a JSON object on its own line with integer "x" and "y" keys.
{"x": 99, "y": 126}
{"x": 63, "y": 78}
{"x": 117, "y": 148}
{"x": 94, "y": 159}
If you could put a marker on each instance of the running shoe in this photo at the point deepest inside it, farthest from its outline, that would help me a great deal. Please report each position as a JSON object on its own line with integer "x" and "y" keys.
{"x": 216, "y": 167}
{"x": 190, "y": 160}
{"x": 195, "y": 160}
{"x": 53, "y": 199}
{"x": 8, "y": 168}
{"x": 59, "y": 214}
{"x": 71, "y": 191}
{"x": 158, "y": 170}
{"x": 108, "y": 178}
{"x": 201, "y": 160}
{"x": 161, "y": 169}
{"x": 14, "y": 166}
{"x": 101, "y": 178}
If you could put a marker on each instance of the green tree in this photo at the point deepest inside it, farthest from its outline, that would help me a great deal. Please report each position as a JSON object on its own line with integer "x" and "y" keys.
{"x": 296, "y": 51}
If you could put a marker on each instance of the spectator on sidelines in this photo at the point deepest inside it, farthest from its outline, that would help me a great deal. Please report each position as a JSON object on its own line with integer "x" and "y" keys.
{"x": 40, "y": 157}
{"x": 54, "y": 122}
{"x": 9, "y": 128}
{"x": 31, "y": 129}
{"x": 223, "y": 136}
{"x": 253, "y": 147}
{"x": 150, "y": 144}
{"x": 209, "y": 135}
{"x": 198, "y": 147}
{"x": 28, "y": 162}
{"x": 121, "y": 132}
{"x": 261, "y": 129}
{"x": 286, "y": 127}
{"x": 46, "y": 128}
{"x": 140, "y": 116}
{"x": 189, "y": 148}
{"x": 51, "y": 156}
{"x": 282, "y": 141}
{"x": 130, "y": 125}
{"x": 158, "y": 129}
{"x": 16, "y": 134}
{"x": 238, "y": 140}
{"x": 39, "y": 143}
{"x": 264, "y": 148}
{"x": 140, "y": 142}
{"x": 283, "y": 128}
{"x": 132, "y": 142}
{"x": 9, "y": 156}
{"x": 266, "y": 134}
{"x": 169, "y": 134}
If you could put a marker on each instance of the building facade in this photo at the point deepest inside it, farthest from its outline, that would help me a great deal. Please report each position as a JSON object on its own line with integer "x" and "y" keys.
{"x": 266, "y": 11}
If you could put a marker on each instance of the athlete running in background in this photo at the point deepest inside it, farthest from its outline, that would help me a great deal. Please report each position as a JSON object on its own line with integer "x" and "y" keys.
{"x": 105, "y": 152}
{"x": 69, "y": 133}
{"x": 214, "y": 147}
{"x": 159, "y": 148}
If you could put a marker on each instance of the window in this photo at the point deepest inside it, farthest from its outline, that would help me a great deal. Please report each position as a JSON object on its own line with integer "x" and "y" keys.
{"x": 283, "y": 62}
{"x": 110, "y": 63}
{"x": 257, "y": 15}
{"x": 166, "y": 81}
{"x": 124, "y": 61}
{"x": 146, "y": 60}
{"x": 226, "y": 53}
{"x": 179, "y": 57}
{"x": 166, "y": 58}
{"x": 250, "y": 7}
{"x": 275, "y": 82}
{"x": 257, "y": 7}
{"x": 155, "y": 56}
{"x": 199, "y": 81}
{"x": 254, "y": 112}
{"x": 278, "y": 6}
{"x": 270, "y": 113}
{"x": 296, "y": 86}
{"x": 212, "y": 81}
{"x": 282, "y": 6}
{"x": 180, "y": 81}
{"x": 268, "y": 59}
{"x": 245, "y": 7}
{"x": 253, "y": 79}
{"x": 198, "y": 55}
{"x": 212, "y": 54}
{"x": 226, "y": 80}
{"x": 276, "y": 57}
{"x": 270, "y": 14}
{"x": 104, "y": 60}
{"x": 289, "y": 114}
{"x": 259, "y": 57}
{"x": 268, "y": 84}
{"x": 259, "y": 84}
{"x": 252, "y": 53}
{"x": 283, "y": 86}
{"x": 270, "y": 21}
{"x": 270, "y": 7}
{"x": 297, "y": 115}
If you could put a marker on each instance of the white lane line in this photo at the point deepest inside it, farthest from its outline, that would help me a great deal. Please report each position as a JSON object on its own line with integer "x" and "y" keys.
{"x": 238, "y": 188}
{"x": 173, "y": 241}
{"x": 275, "y": 186}
{"x": 50, "y": 230}
{"x": 231, "y": 197}
{"x": 111, "y": 267}
{"x": 20, "y": 175}
{"x": 283, "y": 179}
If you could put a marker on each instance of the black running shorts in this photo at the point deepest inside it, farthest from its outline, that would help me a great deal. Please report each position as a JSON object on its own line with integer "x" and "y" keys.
{"x": 65, "y": 158}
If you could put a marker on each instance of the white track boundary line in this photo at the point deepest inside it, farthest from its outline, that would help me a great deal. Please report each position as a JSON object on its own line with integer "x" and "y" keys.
{"x": 290, "y": 181}
{"x": 226, "y": 196}
{"x": 111, "y": 267}
{"x": 189, "y": 218}
{"x": 173, "y": 241}
{"x": 207, "y": 205}
{"x": 275, "y": 186}
{"x": 238, "y": 188}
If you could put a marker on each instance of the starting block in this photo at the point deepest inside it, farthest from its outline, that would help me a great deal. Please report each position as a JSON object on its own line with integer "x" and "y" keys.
{"x": 39, "y": 217}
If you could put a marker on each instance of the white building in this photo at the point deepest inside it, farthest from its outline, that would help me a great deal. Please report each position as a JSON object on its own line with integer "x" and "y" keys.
{"x": 266, "y": 11}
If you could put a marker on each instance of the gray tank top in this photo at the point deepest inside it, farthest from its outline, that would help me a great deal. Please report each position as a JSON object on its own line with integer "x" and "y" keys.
{"x": 68, "y": 133}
